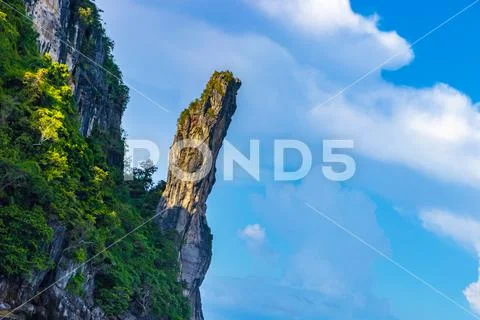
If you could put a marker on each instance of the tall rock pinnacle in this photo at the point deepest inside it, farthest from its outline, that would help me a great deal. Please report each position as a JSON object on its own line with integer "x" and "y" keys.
{"x": 183, "y": 205}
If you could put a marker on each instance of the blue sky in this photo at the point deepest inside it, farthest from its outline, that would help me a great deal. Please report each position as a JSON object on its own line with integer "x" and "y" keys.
{"x": 416, "y": 129}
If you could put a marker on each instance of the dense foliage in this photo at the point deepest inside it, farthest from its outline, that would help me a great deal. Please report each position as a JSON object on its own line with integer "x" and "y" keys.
{"x": 51, "y": 176}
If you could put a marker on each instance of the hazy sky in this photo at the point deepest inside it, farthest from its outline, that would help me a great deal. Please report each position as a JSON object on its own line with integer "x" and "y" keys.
{"x": 414, "y": 120}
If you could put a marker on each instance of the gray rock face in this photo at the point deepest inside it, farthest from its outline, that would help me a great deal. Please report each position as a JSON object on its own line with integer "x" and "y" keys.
{"x": 55, "y": 302}
{"x": 81, "y": 43}
{"x": 47, "y": 18}
{"x": 183, "y": 206}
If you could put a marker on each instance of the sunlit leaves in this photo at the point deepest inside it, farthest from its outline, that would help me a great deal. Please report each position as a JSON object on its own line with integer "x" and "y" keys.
{"x": 48, "y": 122}
{"x": 55, "y": 164}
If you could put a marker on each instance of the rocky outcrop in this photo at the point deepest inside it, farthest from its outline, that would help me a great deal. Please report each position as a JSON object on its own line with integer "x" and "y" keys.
{"x": 183, "y": 206}
{"x": 72, "y": 33}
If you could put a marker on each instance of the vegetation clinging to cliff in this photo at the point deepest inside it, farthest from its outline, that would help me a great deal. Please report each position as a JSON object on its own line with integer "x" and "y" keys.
{"x": 51, "y": 176}
{"x": 214, "y": 85}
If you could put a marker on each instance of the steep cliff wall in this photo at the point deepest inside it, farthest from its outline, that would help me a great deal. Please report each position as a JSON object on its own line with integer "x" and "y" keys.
{"x": 72, "y": 33}
{"x": 64, "y": 28}
{"x": 182, "y": 208}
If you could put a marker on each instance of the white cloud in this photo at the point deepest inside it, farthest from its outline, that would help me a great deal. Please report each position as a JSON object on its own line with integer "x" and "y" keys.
{"x": 434, "y": 130}
{"x": 253, "y": 234}
{"x": 335, "y": 20}
{"x": 472, "y": 294}
{"x": 463, "y": 230}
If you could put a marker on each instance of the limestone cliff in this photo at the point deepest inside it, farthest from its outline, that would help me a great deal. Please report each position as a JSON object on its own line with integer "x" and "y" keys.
{"x": 72, "y": 33}
{"x": 183, "y": 206}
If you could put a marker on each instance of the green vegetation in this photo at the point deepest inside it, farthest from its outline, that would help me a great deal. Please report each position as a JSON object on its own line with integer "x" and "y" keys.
{"x": 215, "y": 84}
{"x": 184, "y": 116}
{"x": 75, "y": 285}
{"x": 85, "y": 14}
{"x": 52, "y": 176}
{"x": 22, "y": 235}
{"x": 95, "y": 33}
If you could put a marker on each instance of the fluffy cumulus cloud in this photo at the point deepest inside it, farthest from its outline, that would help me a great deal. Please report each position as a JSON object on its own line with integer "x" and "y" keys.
{"x": 334, "y": 22}
{"x": 253, "y": 234}
{"x": 434, "y": 130}
{"x": 465, "y": 231}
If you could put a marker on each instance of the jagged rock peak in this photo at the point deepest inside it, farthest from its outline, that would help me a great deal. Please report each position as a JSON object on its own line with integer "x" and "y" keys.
{"x": 183, "y": 205}
{"x": 207, "y": 120}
